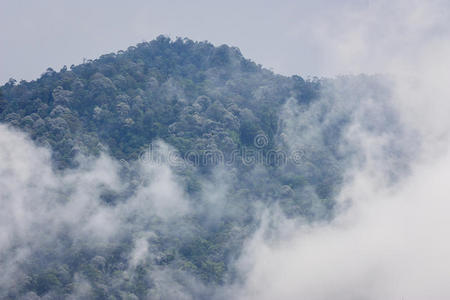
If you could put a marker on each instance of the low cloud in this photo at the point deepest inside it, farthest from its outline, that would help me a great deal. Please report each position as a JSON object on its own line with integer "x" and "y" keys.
{"x": 388, "y": 239}
{"x": 391, "y": 244}
{"x": 42, "y": 207}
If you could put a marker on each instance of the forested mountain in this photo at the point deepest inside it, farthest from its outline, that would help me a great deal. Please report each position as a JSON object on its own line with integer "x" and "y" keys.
{"x": 127, "y": 99}
{"x": 234, "y": 138}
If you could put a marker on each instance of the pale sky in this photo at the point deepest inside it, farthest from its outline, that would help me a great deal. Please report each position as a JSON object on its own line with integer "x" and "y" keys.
{"x": 309, "y": 38}
{"x": 280, "y": 35}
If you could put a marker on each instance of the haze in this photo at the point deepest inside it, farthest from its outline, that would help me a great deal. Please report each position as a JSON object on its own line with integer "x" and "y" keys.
{"x": 289, "y": 37}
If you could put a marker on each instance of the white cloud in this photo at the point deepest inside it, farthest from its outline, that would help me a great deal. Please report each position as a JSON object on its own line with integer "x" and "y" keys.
{"x": 391, "y": 242}
{"x": 38, "y": 204}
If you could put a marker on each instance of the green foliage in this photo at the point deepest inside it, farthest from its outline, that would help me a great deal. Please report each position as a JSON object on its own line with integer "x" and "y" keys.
{"x": 195, "y": 97}
{"x": 127, "y": 99}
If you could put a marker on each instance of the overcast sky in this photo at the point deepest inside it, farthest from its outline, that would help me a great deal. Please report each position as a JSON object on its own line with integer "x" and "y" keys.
{"x": 310, "y": 38}
{"x": 285, "y": 36}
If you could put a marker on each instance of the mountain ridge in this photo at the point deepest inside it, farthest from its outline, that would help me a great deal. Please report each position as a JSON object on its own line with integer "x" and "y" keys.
{"x": 248, "y": 140}
{"x": 127, "y": 77}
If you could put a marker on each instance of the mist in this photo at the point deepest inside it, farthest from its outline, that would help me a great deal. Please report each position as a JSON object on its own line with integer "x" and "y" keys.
{"x": 49, "y": 211}
{"x": 389, "y": 239}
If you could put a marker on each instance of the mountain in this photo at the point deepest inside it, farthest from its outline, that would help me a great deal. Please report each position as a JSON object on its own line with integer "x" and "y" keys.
{"x": 127, "y": 99}
{"x": 201, "y": 140}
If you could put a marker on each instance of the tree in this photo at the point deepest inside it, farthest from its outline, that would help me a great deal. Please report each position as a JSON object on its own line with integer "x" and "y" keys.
{"x": 3, "y": 102}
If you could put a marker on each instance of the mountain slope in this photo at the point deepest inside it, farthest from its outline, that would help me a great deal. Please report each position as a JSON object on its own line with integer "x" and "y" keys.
{"x": 125, "y": 100}
{"x": 116, "y": 223}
